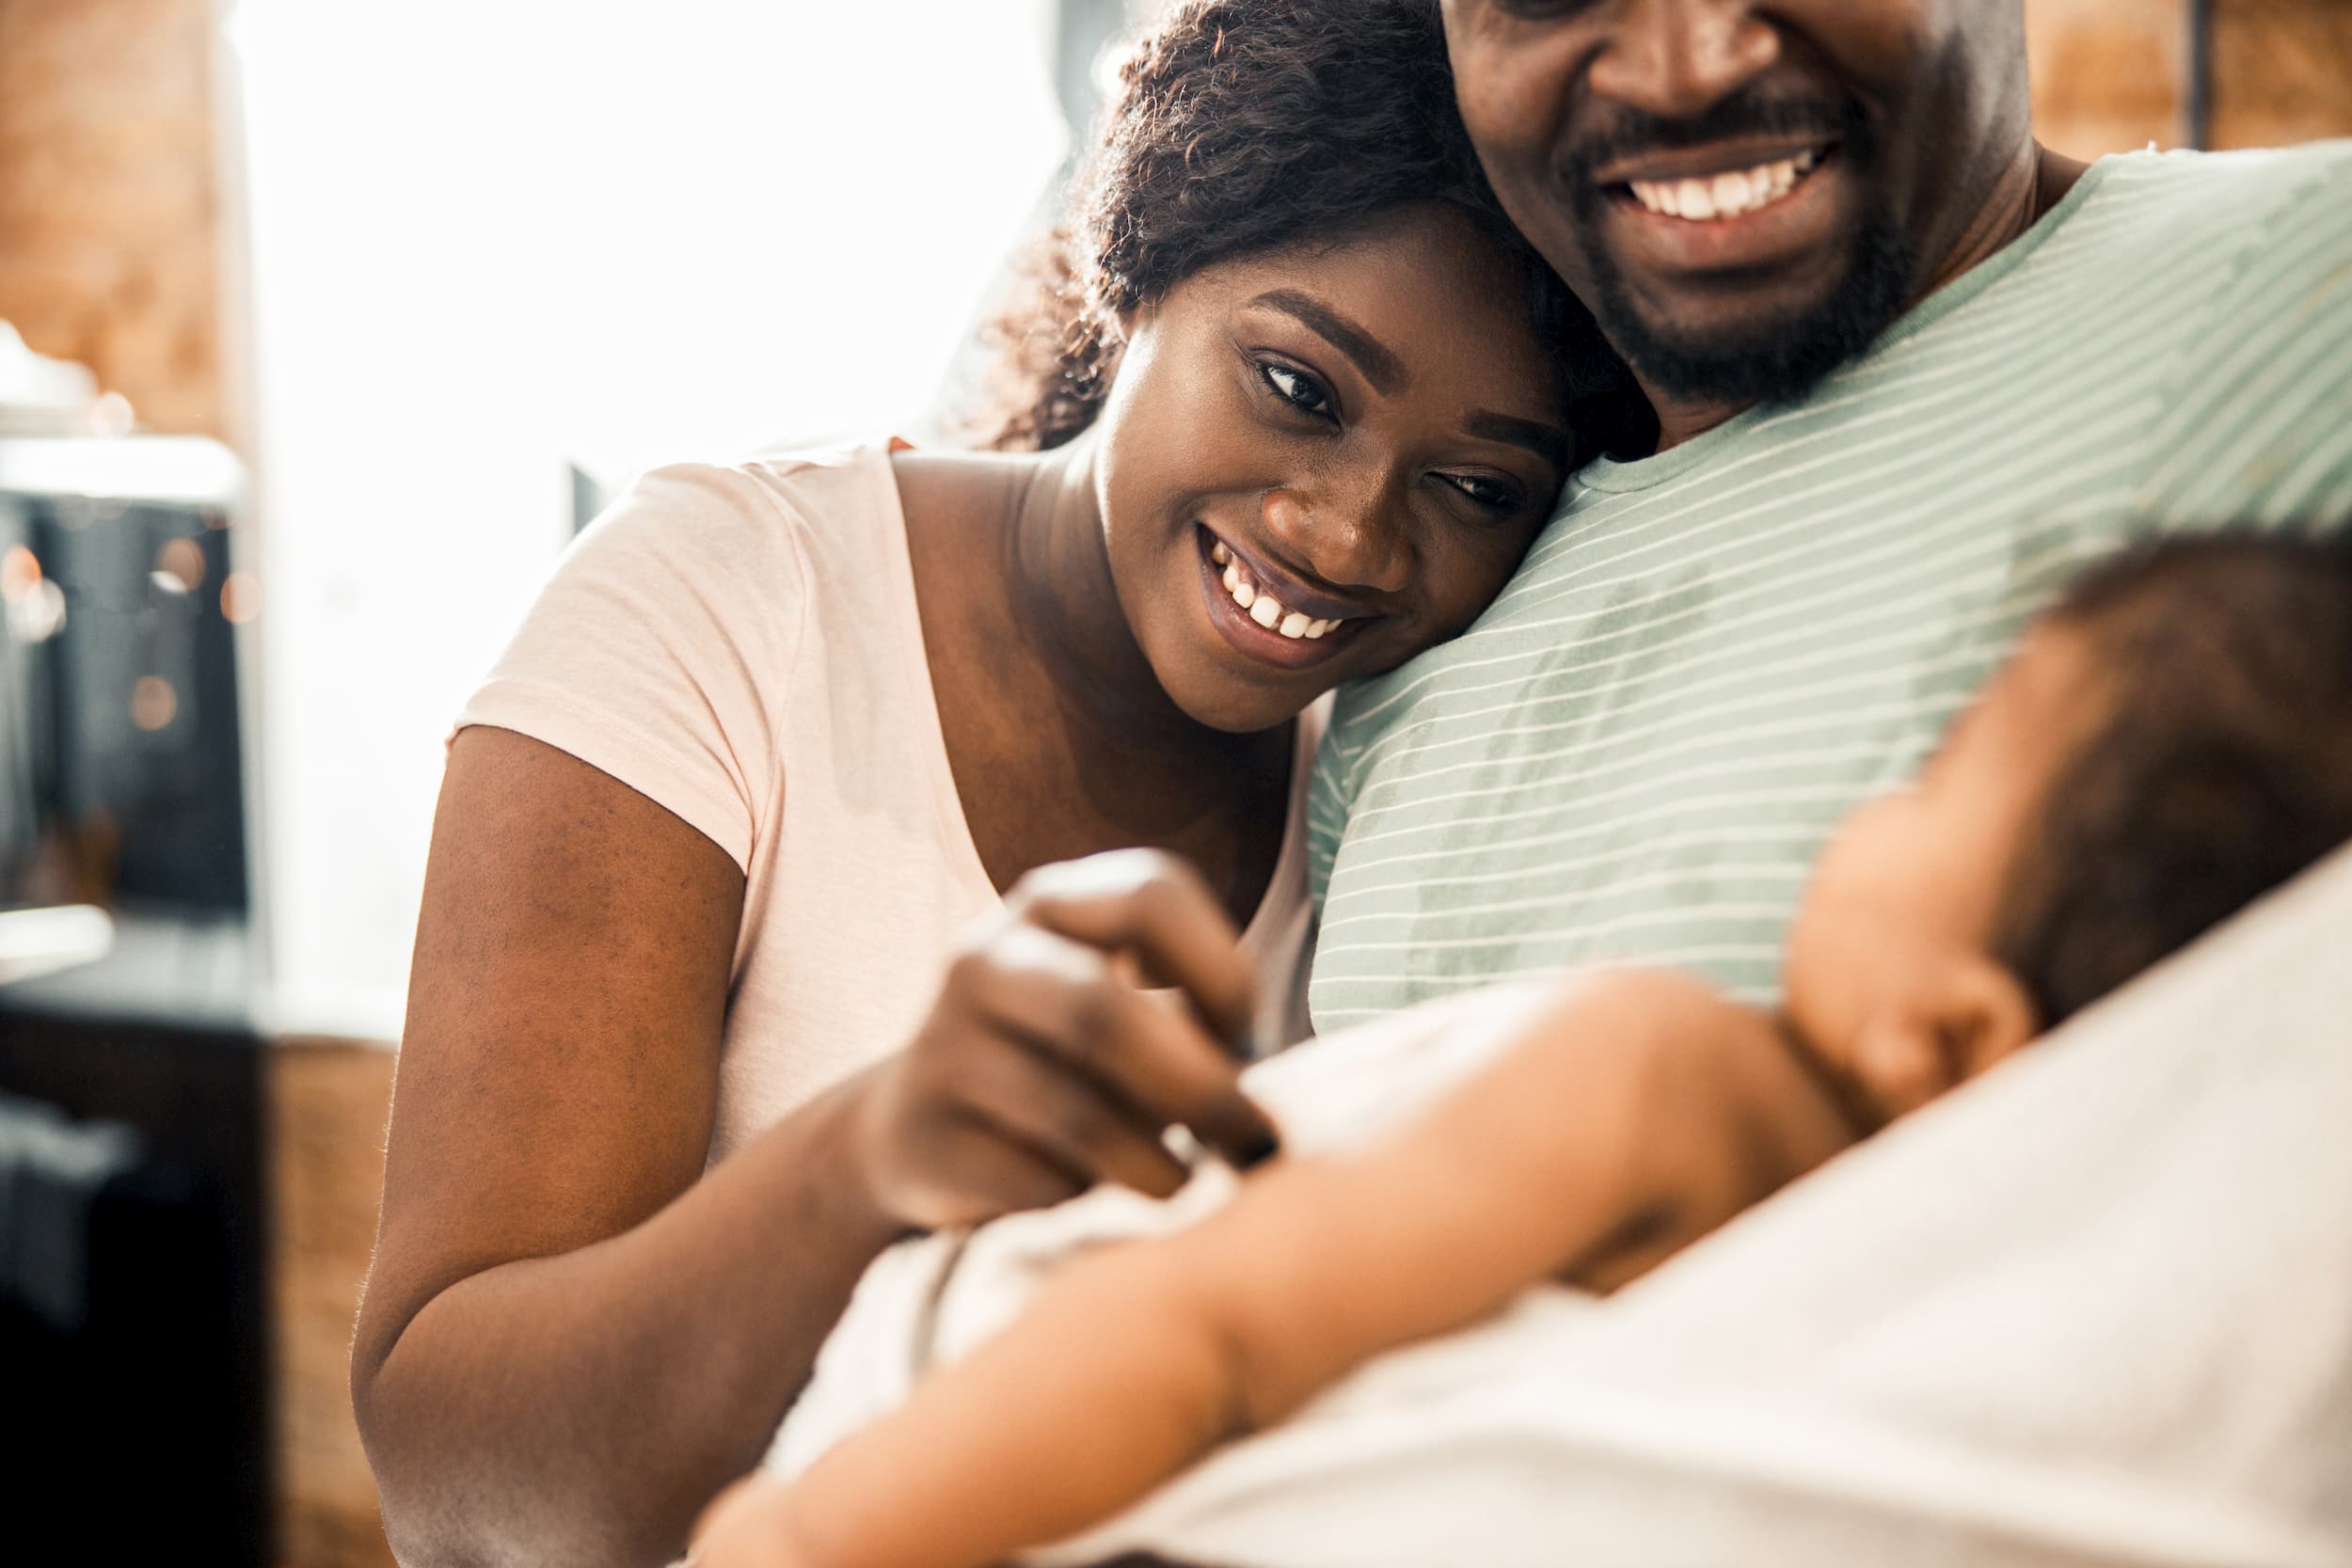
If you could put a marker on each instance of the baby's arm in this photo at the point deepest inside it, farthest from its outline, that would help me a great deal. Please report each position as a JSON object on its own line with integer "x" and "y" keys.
{"x": 1632, "y": 1112}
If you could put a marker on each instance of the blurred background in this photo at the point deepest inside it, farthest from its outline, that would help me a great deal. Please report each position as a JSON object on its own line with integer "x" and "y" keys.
{"x": 325, "y": 327}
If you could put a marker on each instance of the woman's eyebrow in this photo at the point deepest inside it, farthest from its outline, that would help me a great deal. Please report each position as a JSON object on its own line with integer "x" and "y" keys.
{"x": 1547, "y": 442}
{"x": 1381, "y": 367}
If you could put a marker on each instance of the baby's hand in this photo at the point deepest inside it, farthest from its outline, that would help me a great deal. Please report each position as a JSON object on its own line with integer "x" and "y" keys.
{"x": 744, "y": 1527}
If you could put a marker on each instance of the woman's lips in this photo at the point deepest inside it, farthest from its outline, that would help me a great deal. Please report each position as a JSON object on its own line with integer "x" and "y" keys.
{"x": 1258, "y": 630}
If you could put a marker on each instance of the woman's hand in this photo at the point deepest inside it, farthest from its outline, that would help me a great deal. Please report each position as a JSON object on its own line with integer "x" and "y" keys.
{"x": 1043, "y": 1069}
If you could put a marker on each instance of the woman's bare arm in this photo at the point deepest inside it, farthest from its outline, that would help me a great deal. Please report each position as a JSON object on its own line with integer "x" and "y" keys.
{"x": 571, "y": 1336}
{"x": 567, "y": 1340}
{"x": 1632, "y": 1113}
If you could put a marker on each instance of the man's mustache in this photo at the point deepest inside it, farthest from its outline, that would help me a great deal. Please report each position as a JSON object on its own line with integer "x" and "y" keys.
{"x": 1630, "y": 133}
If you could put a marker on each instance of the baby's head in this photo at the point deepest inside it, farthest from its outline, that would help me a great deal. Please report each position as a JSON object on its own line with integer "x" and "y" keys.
{"x": 2169, "y": 742}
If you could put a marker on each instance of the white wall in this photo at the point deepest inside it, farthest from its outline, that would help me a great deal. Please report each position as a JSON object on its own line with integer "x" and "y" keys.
{"x": 490, "y": 235}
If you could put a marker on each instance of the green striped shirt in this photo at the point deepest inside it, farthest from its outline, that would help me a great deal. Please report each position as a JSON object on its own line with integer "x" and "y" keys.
{"x": 1712, "y": 654}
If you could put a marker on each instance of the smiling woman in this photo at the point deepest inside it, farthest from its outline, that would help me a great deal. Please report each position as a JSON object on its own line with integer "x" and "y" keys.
{"x": 1368, "y": 432}
{"x": 784, "y": 743}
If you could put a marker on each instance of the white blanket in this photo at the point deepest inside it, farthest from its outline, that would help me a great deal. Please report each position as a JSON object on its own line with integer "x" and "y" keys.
{"x": 2095, "y": 1307}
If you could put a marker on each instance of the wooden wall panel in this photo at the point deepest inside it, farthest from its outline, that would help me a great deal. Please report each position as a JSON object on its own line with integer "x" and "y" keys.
{"x": 109, "y": 200}
{"x": 2106, "y": 73}
{"x": 2110, "y": 75}
{"x": 2283, "y": 72}
{"x": 328, "y": 1103}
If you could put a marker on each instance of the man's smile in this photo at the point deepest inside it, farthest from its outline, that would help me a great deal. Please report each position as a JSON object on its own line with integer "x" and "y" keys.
{"x": 1746, "y": 154}
{"x": 1701, "y": 198}
{"x": 1723, "y": 208}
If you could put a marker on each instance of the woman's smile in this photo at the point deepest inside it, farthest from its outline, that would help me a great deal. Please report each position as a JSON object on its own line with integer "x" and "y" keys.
{"x": 1267, "y": 613}
{"x": 1349, "y": 445}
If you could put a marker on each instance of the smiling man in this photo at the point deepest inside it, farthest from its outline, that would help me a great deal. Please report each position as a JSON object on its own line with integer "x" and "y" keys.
{"x": 1911, "y": 369}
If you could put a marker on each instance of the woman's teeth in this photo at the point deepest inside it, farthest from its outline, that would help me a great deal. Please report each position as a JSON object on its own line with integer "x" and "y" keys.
{"x": 1265, "y": 609}
{"x": 1731, "y": 194}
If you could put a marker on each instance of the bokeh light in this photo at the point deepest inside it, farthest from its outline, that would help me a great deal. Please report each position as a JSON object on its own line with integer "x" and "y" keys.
{"x": 39, "y": 614}
{"x": 20, "y": 574}
{"x": 180, "y": 567}
{"x": 153, "y": 702}
{"x": 241, "y": 597}
{"x": 111, "y": 414}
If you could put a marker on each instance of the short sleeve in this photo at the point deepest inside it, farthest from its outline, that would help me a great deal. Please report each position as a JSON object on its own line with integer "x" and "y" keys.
{"x": 2255, "y": 425}
{"x": 661, "y": 650}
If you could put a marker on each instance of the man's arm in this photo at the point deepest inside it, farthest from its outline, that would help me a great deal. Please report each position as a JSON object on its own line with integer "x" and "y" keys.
{"x": 1631, "y": 1113}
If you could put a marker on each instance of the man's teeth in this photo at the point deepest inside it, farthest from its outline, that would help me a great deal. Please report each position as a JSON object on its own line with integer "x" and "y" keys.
{"x": 1265, "y": 609}
{"x": 1729, "y": 194}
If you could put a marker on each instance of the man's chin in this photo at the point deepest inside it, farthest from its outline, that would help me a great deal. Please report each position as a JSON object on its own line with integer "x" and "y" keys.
{"x": 1719, "y": 351}
{"x": 1779, "y": 362}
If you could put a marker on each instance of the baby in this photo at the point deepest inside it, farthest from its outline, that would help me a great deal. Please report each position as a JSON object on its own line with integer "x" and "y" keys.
{"x": 2169, "y": 742}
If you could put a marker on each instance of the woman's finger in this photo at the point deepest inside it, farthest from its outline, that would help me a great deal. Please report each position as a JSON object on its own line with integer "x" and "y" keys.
{"x": 1076, "y": 1122}
{"x": 983, "y": 1173}
{"x": 1063, "y": 1000}
{"x": 1155, "y": 906}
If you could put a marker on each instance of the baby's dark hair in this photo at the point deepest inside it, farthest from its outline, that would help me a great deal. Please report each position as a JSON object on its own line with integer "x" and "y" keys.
{"x": 2220, "y": 766}
{"x": 1242, "y": 126}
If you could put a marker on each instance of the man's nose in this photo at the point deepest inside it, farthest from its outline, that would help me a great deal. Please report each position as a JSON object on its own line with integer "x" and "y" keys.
{"x": 1678, "y": 59}
{"x": 1351, "y": 537}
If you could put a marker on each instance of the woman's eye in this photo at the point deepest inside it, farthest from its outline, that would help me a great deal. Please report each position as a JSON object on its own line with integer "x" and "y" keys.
{"x": 1299, "y": 390}
{"x": 1543, "y": 10}
{"x": 1493, "y": 494}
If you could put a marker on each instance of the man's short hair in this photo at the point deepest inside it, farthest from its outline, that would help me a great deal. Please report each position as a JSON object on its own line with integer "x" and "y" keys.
{"x": 2222, "y": 767}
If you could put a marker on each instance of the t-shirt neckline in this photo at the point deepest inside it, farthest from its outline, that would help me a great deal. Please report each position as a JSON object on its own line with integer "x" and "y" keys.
{"x": 922, "y": 696}
{"x": 1609, "y": 474}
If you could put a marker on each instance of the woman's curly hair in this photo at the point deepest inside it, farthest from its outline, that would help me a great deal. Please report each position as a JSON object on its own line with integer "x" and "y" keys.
{"x": 1245, "y": 125}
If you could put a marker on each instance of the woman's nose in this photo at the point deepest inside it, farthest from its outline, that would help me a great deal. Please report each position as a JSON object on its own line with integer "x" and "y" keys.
{"x": 1348, "y": 541}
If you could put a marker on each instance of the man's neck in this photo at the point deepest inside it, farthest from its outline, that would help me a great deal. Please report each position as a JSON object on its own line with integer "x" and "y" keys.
{"x": 1680, "y": 419}
{"x": 2036, "y": 181}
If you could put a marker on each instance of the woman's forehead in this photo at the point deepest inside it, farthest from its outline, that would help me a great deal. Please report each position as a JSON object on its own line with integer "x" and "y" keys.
{"x": 1428, "y": 284}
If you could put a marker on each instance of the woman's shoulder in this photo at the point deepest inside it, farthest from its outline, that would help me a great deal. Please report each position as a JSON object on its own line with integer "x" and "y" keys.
{"x": 777, "y": 510}
{"x": 666, "y": 645}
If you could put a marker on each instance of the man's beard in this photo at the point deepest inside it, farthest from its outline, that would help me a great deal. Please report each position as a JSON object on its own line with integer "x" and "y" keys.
{"x": 1776, "y": 362}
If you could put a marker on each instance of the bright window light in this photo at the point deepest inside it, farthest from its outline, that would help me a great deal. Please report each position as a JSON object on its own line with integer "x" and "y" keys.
{"x": 489, "y": 238}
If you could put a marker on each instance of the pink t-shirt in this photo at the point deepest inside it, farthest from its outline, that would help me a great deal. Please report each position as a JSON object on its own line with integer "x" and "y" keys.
{"x": 741, "y": 646}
